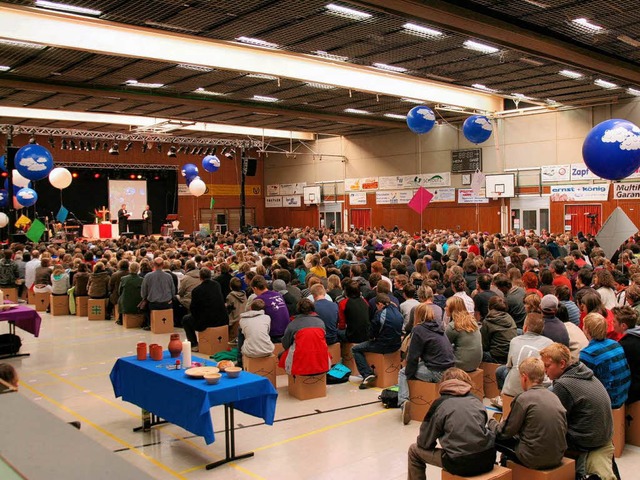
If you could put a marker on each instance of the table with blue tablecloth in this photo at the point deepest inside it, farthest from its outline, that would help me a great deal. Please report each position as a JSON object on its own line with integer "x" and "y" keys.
{"x": 185, "y": 401}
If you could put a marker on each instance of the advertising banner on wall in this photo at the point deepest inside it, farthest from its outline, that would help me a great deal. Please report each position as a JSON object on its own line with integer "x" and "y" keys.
{"x": 556, "y": 173}
{"x": 358, "y": 198}
{"x": 579, "y": 193}
{"x": 626, "y": 191}
{"x": 443, "y": 194}
{"x": 399, "y": 182}
{"x": 273, "y": 190}
{"x": 292, "y": 188}
{"x": 272, "y": 202}
{"x": 466, "y": 195}
{"x": 579, "y": 171}
{"x": 292, "y": 201}
{"x": 356, "y": 184}
{"x": 393, "y": 197}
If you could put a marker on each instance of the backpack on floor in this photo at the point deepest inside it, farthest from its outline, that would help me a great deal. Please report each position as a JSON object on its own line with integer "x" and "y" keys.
{"x": 338, "y": 374}
{"x": 389, "y": 397}
{"x": 10, "y": 343}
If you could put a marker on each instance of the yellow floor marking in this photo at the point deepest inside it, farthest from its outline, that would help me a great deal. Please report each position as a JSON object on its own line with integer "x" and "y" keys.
{"x": 106, "y": 432}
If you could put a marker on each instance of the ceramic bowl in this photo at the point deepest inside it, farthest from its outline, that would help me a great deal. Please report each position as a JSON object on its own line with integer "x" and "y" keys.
{"x": 233, "y": 372}
{"x": 212, "y": 378}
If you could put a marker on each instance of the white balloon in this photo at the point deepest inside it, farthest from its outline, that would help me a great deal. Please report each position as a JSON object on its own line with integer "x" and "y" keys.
{"x": 197, "y": 187}
{"x": 19, "y": 180}
{"x": 4, "y": 220}
{"x": 60, "y": 178}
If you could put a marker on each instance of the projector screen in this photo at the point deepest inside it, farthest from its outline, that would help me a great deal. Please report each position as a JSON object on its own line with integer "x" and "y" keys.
{"x": 131, "y": 192}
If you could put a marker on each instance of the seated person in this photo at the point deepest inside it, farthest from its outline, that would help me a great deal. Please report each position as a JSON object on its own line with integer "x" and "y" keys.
{"x": 553, "y": 326}
{"x": 129, "y": 292}
{"x": 521, "y": 347}
{"x": 626, "y": 324}
{"x": 606, "y": 358}
{"x": 534, "y": 433}
{"x": 59, "y": 280}
{"x": 464, "y": 335}
{"x": 458, "y": 421}
{"x": 81, "y": 280}
{"x": 385, "y": 335}
{"x": 589, "y": 416}
{"x": 497, "y": 330}
{"x": 254, "y": 328}
{"x": 430, "y": 354}
{"x": 353, "y": 314}
{"x": 327, "y": 311}
{"x": 305, "y": 347}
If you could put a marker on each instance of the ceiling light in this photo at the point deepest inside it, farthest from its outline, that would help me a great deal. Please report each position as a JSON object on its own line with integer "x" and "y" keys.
{"x": 105, "y": 146}
{"x": 347, "y": 12}
{"x": 479, "y": 47}
{"x": 32, "y": 140}
{"x": 521, "y": 96}
{"x": 531, "y": 61}
{"x": 19, "y": 44}
{"x": 570, "y": 74}
{"x": 605, "y": 84}
{"x": 413, "y": 100}
{"x": 63, "y": 145}
{"x": 202, "y": 91}
{"x": 228, "y": 153}
{"x": 261, "y": 76}
{"x": 357, "y": 111}
{"x": 629, "y": 41}
{"x": 82, "y": 145}
{"x": 197, "y": 68}
{"x": 4, "y": 68}
{"x": 440, "y": 77}
{"x": 75, "y": 175}
{"x": 262, "y": 98}
{"x": 583, "y": 22}
{"x": 172, "y": 152}
{"x": 537, "y": 4}
{"x": 96, "y": 146}
{"x": 257, "y": 42}
{"x": 420, "y": 31}
{"x": 88, "y": 146}
{"x": 396, "y": 116}
{"x": 139, "y": 177}
{"x": 330, "y": 56}
{"x": 633, "y": 91}
{"x": 322, "y": 86}
{"x": 67, "y": 8}
{"x": 115, "y": 149}
{"x": 72, "y": 145}
{"x": 391, "y": 68}
{"x": 135, "y": 83}
{"x": 128, "y": 146}
{"x": 479, "y": 86}
{"x": 552, "y": 102}
{"x": 96, "y": 175}
{"x": 449, "y": 108}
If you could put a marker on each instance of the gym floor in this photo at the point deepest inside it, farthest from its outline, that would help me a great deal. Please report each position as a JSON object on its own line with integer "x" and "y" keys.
{"x": 346, "y": 434}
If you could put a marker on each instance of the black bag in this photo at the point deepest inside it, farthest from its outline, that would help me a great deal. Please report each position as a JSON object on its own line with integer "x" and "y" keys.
{"x": 10, "y": 343}
{"x": 389, "y": 397}
{"x": 338, "y": 374}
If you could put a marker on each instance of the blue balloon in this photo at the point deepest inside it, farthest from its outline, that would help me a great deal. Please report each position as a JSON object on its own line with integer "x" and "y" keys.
{"x": 611, "y": 149}
{"x": 421, "y": 119}
{"x": 27, "y": 197}
{"x": 3, "y": 163}
{"x": 34, "y": 162}
{"x": 189, "y": 171}
{"x": 477, "y": 129}
{"x": 4, "y": 198}
{"x": 211, "y": 163}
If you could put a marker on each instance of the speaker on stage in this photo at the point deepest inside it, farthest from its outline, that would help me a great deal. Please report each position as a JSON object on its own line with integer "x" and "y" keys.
{"x": 252, "y": 166}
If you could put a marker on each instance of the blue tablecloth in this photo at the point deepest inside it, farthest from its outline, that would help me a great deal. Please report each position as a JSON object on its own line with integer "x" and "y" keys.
{"x": 185, "y": 401}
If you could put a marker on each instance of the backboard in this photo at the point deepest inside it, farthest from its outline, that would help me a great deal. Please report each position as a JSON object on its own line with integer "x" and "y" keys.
{"x": 500, "y": 186}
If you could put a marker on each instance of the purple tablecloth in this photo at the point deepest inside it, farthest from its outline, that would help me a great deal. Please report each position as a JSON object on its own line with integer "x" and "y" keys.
{"x": 25, "y": 318}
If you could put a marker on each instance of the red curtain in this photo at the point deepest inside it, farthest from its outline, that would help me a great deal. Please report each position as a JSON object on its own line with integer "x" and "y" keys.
{"x": 361, "y": 217}
{"x": 584, "y": 218}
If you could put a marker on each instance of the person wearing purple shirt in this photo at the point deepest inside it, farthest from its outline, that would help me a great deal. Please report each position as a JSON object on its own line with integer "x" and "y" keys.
{"x": 275, "y": 307}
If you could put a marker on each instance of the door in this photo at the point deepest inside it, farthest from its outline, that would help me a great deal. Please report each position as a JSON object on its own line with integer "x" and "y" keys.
{"x": 361, "y": 217}
{"x": 530, "y": 213}
{"x": 331, "y": 220}
{"x": 583, "y": 218}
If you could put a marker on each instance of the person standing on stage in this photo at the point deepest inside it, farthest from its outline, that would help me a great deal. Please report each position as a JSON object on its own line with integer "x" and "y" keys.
{"x": 123, "y": 219}
{"x": 147, "y": 222}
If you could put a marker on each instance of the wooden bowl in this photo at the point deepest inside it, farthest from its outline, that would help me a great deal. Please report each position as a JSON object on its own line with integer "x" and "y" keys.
{"x": 212, "y": 378}
{"x": 233, "y": 372}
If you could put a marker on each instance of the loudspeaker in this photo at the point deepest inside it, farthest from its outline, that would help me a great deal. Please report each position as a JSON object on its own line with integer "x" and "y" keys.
{"x": 252, "y": 165}
{"x": 221, "y": 218}
{"x": 178, "y": 234}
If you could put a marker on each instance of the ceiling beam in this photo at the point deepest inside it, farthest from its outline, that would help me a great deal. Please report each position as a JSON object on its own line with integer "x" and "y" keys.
{"x": 174, "y": 100}
{"x": 462, "y": 20}
{"x": 100, "y": 36}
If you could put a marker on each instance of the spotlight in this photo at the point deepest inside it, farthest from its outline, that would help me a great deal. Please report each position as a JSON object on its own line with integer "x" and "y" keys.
{"x": 159, "y": 147}
{"x": 74, "y": 175}
{"x": 213, "y": 152}
{"x": 224, "y": 151}
{"x": 115, "y": 149}
{"x": 73, "y": 145}
{"x": 193, "y": 150}
{"x": 81, "y": 144}
{"x": 157, "y": 177}
{"x": 4, "y": 174}
{"x": 139, "y": 176}
{"x": 229, "y": 154}
{"x": 172, "y": 152}
{"x": 132, "y": 176}
{"x": 96, "y": 175}
{"x": 128, "y": 146}
{"x": 64, "y": 145}
{"x": 32, "y": 140}
{"x": 105, "y": 146}
{"x": 97, "y": 145}
{"x": 52, "y": 143}
{"x": 180, "y": 149}
{"x": 145, "y": 147}
{"x": 88, "y": 147}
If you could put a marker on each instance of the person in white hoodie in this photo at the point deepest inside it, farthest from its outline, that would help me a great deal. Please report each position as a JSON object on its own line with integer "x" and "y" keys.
{"x": 254, "y": 340}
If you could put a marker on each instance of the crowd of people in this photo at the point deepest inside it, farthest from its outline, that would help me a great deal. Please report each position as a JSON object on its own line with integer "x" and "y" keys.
{"x": 558, "y": 316}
